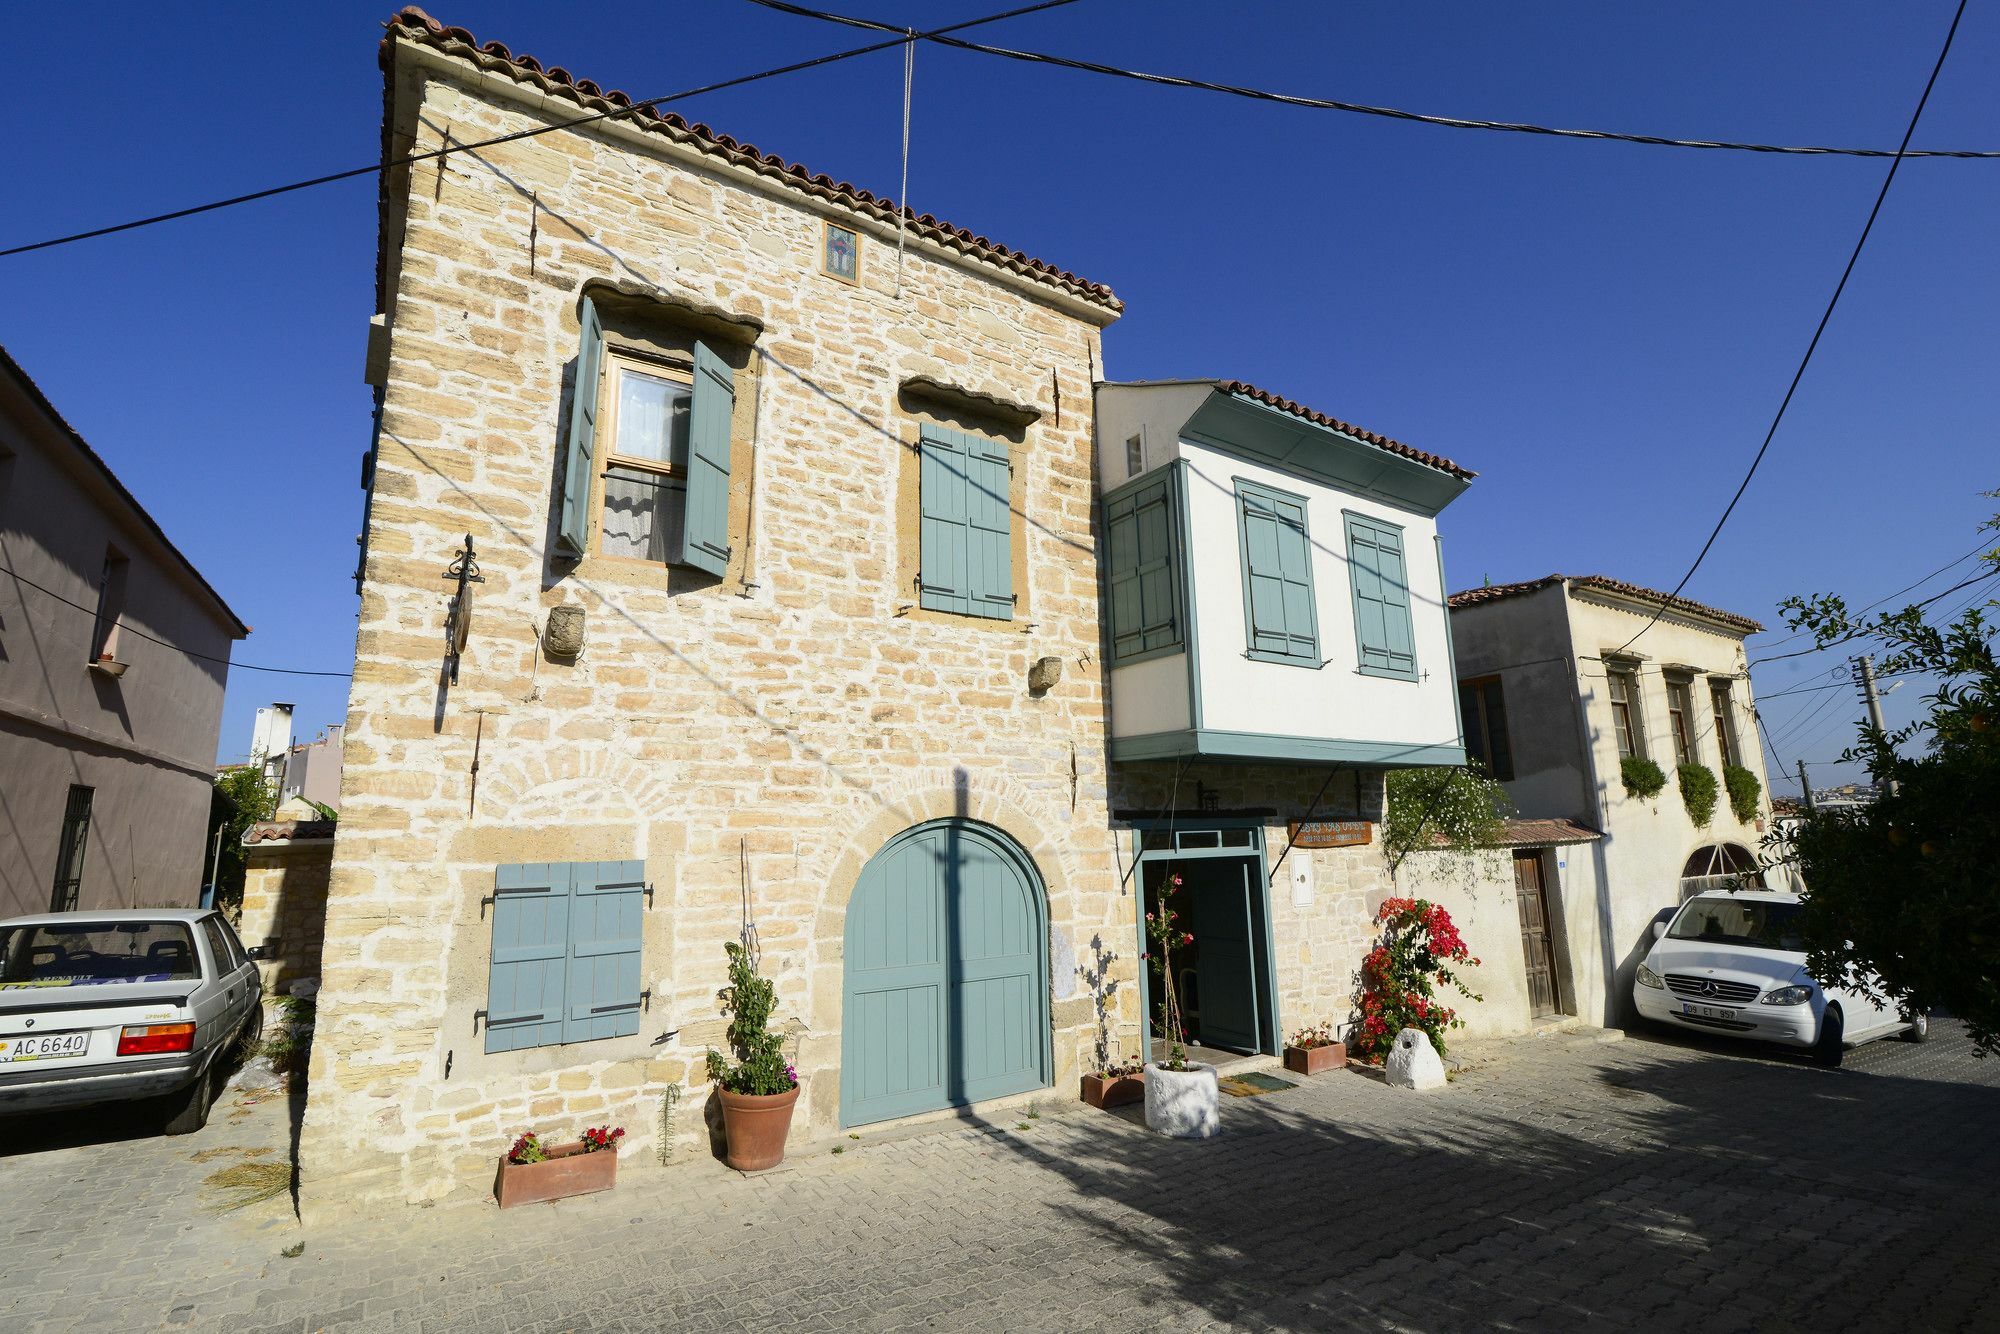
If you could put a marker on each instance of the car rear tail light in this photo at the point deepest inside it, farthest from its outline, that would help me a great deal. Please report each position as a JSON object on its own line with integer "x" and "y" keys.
{"x": 153, "y": 1039}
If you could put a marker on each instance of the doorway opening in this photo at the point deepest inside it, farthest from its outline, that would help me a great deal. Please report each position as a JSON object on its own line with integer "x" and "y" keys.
{"x": 1223, "y": 975}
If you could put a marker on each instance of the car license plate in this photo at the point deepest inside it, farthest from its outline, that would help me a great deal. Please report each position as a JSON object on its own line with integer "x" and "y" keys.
{"x": 1707, "y": 1011}
{"x": 44, "y": 1046}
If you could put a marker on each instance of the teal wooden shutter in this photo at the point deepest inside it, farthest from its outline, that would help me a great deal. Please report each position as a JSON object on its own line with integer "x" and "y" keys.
{"x": 1277, "y": 575}
{"x": 1381, "y": 599}
{"x": 989, "y": 529}
{"x": 574, "y": 532}
{"x": 525, "y": 981}
{"x": 705, "y": 536}
{"x": 965, "y": 536}
{"x": 1143, "y": 587}
{"x": 606, "y": 909}
{"x": 945, "y": 558}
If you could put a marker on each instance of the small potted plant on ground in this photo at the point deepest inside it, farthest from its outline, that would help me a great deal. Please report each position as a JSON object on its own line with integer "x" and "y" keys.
{"x": 759, "y": 1088}
{"x": 1118, "y": 1083}
{"x": 533, "y": 1171}
{"x": 1182, "y": 1096}
{"x": 1312, "y": 1051}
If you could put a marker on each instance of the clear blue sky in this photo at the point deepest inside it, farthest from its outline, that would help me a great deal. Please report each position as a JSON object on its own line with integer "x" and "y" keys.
{"x": 1603, "y": 331}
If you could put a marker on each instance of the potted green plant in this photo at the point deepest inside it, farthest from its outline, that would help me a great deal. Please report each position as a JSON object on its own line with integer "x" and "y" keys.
{"x": 1183, "y": 1098}
{"x": 758, "y": 1089}
{"x": 1312, "y": 1051}
{"x": 1118, "y": 1083}
{"x": 532, "y": 1171}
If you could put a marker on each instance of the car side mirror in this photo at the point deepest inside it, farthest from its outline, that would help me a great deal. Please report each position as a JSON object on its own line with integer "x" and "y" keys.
{"x": 1659, "y": 930}
{"x": 259, "y": 953}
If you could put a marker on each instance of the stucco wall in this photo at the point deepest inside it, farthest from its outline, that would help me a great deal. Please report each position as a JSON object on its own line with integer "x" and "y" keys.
{"x": 1336, "y": 702}
{"x": 145, "y": 741}
{"x": 752, "y": 740}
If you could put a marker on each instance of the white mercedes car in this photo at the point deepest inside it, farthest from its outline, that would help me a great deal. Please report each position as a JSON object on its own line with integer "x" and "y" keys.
{"x": 1733, "y": 963}
{"x": 144, "y": 1005}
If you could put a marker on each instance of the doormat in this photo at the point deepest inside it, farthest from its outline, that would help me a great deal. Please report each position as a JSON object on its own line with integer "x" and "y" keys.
{"x": 1253, "y": 1084}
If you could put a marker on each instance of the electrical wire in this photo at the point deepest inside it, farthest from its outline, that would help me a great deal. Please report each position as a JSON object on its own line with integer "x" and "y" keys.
{"x": 387, "y": 164}
{"x": 1825, "y": 318}
{"x": 1363, "y": 108}
{"x": 1982, "y": 549}
{"x": 1862, "y": 632}
{"x": 123, "y": 629}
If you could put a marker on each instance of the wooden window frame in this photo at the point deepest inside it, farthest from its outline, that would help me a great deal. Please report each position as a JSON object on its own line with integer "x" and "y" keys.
{"x": 113, "y": 581}
{"x": 1721, "y": 700}
{"x": 617, "y": 361}
{"x": 1135, "y": 454}
{"x": 1680, "y": 704}
{"x": 826, "y": 226}
{"x": 1483, "y": 721}
{"x": 1627, "y": 718}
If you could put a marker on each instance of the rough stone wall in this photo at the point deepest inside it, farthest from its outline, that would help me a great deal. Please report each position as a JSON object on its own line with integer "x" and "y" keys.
{"x": 284, "y": 906}
{"x": 753, "y": 740}
{"x": 1320, "y": 930}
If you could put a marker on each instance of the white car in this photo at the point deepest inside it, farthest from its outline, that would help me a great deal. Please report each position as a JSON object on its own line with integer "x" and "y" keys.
{"x": 99, "y": 1007}
{"x": 1733, "y": 963}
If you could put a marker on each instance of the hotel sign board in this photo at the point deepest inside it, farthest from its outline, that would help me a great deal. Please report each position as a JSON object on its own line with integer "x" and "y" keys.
{"x": 1331, "y": 833}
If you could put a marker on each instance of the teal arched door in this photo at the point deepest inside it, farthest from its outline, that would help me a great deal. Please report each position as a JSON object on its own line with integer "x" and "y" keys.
{"x": 946, "y": 994}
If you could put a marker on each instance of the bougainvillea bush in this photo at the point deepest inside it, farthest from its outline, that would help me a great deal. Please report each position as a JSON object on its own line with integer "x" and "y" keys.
{"x": 1420, "y": 949}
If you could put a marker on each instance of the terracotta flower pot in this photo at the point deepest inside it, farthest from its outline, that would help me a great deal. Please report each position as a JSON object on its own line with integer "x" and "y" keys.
{"x": 755, "y": 1126}
{"x": 1316, "y": 1060}
{"x": 1113, "y": 1090}
{"x": 568, "y": 1170}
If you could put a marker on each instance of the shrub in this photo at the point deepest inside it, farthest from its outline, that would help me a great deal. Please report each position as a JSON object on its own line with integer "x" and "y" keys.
{"x": 1163, "y": 928}
{"x": 1462, "y": 806}
{"x": 1743, "y": 789}
{"x": 1698, "y": 791}
{"x": 1400, "y": 975}
{"x": 1643, "y": 778}
{"x": 760, "y": 1067}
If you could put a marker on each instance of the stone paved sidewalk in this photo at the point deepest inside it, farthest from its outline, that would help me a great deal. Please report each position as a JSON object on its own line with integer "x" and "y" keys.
{"x": 1556, "y": 1183}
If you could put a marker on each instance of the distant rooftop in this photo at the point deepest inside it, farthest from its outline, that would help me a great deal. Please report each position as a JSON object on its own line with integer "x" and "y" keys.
{"x": 1474, "y": 597}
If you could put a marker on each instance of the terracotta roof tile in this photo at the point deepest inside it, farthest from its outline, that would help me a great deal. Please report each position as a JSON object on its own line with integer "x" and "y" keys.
{"x": 414, "y": 24}
{"x": 1473, "y": 597}
{"x": 1283, "y": 404}
{"x": 283, "y": 831}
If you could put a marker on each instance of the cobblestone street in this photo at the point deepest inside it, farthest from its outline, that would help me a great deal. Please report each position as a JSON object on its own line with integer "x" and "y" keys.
{"x": 1558, "y": 1182}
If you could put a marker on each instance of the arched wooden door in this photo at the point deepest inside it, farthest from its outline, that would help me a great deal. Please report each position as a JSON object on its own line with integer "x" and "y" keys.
{"x": 946, "y": 993}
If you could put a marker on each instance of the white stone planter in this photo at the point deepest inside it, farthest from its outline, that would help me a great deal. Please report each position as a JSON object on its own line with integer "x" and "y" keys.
{"x": 1183, "y": 1103}
{"x": 1413, "y": 1063}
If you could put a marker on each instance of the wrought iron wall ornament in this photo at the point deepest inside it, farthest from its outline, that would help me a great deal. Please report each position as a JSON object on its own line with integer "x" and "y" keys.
{"x": 458, "y": 620}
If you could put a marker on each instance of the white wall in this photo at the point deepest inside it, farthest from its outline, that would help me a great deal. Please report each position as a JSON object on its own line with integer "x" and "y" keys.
{"x": 1150, "y": 696}
{"x": 1336, "y": 702}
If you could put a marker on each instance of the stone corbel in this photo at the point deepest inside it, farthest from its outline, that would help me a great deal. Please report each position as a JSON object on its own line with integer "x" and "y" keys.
{"x": 653, "y": 303}
{"x": 971, "y": 401}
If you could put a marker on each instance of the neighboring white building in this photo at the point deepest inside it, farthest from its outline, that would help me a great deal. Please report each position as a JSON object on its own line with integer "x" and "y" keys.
{"x": 1564, "y": 713}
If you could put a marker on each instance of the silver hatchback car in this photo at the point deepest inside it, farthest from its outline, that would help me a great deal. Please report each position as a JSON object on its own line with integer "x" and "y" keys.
{"x": 139, "y": 1005}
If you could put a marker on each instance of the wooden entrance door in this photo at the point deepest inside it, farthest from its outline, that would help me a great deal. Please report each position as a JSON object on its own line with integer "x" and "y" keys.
{"x": 1537, "y": 946}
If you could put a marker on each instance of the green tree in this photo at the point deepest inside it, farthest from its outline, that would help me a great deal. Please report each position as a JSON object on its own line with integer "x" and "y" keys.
{"x": 241, "y": 799}
{"x": 1905, "y": 889}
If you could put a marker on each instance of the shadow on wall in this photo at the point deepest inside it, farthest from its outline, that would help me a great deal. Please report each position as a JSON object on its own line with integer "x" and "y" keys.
{"x": 1482, "y": 1219}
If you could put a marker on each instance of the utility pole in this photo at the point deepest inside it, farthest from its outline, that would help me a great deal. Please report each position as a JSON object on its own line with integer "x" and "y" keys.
{"x": 1805, "y": 787}
{"x": 1869, "y": 695}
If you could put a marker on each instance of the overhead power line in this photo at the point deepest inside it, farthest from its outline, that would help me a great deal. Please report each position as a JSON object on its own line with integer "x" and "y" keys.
{"x": 1979, "y": 550}
{"x": 1363, "y": 108}
{"x": 125, "y": 629}
{"x": 387, "y": 164}
{"x": 1825, "y": 318}
{"x": 1861, "y": 632}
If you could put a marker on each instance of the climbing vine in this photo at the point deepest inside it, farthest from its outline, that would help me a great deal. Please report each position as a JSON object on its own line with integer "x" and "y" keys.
{"x": 1459, "y": 809}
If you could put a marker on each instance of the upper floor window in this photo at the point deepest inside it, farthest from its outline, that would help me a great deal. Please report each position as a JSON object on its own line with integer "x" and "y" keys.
{"x": 1623, "y": 687}
{"x": 1279, "y": 616}
{"x": 1142, "y": 570}
{"x": 966, "y": 534}
{"x": 1382, "y": 628}
{"x": 110, "y": 605}
{"x": 1135, "y": 455}
{"x": 1483, "y": 705}
{"x": 1680, "y": 713}
{"x": 1725, "y": 721}
{"x": 660, "y": 452}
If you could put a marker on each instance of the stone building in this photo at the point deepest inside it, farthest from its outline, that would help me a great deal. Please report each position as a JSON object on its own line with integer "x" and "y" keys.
{"x": 1578, "y": 713}
{"x": 727, "y": 577}
{"x": 114, "y": 653}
